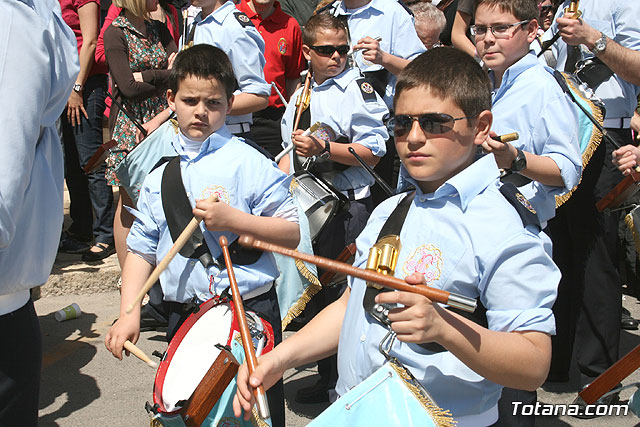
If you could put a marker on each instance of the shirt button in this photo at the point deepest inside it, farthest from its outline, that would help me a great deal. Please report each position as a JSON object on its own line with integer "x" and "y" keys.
{"x": 363, "y": 338}
{"x": 188, "y": 194}
{"x": 192, "y": 262}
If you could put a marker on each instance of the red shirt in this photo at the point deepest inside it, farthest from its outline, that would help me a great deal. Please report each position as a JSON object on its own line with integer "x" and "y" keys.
{"x": 283, "y": 48}
{"x": 71, "y": 18}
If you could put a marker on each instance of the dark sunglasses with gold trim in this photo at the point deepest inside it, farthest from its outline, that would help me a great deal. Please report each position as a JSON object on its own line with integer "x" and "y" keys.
{"x": 432, "y": 123}
{"x": 327, "y": 50}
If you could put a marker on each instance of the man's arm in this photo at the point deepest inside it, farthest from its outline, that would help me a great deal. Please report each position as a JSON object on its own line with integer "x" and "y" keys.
{"x": 623, "y": 61}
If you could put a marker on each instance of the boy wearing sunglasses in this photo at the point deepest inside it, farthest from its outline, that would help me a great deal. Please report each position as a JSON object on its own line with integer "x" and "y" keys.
{"x": 463, "y": 233}
{"x": 347, "y": 104}
{"x": 545, "y": 161}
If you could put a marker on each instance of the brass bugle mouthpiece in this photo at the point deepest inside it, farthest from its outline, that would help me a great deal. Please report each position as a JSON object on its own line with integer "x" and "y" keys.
{"x": 507, "y": 137}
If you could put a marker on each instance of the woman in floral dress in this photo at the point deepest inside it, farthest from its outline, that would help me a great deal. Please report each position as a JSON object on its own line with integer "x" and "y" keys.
{"x": 138, "y": 53}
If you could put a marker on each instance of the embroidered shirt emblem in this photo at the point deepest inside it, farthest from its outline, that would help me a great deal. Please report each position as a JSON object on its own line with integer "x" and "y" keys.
{"x": 426, "y": 260}
{"x": 218, "y": 190}
{"x": 524, "y": 202}
{"x": 366, "y": 87}
{"x": 282, "y": 46}
{"x": 243, "y": 18}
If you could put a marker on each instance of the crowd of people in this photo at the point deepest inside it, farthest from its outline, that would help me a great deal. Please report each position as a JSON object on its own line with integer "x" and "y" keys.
{"x": 221, "y": 108}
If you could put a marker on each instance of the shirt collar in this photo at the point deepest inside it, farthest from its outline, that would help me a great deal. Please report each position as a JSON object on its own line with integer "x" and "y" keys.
{"x": 526, "y": 62}
{"x": 217, "y": 15}
{"x": 121, "y": 21}
{"x": 465, "y": 185}
{"x": 214, "y": 142}
{"x": 374, "y": 4}
{"x": 342, "y": 80}
{"x": 278, "y": 16}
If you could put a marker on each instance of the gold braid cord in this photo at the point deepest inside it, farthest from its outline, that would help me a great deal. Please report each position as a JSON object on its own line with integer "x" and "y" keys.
{"x": 594, "y": 141}
{"x": 628, "y": 220}
{"x": 440, "y": 417}
{"x": 314, "y": 286}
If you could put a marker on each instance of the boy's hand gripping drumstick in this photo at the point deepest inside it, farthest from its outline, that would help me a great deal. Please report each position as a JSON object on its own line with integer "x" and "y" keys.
{"x": 131, "y": 348}
{"x": 179, "y": 243}
{"x": 247, "y": 343}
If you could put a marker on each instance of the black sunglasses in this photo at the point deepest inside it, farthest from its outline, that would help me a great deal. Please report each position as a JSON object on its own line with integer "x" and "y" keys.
{"x": 328, "y": 50}
{"x": 433, "y": 123}
{"x": 546, "y": 9}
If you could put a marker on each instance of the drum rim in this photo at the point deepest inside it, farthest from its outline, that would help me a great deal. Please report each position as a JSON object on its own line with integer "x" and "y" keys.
{"x": 177, "y": 340}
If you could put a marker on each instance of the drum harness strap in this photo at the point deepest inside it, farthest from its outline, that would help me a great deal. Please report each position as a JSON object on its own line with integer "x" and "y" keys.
{"x": 178, "y": 213}
{"x": 380, "y": 312}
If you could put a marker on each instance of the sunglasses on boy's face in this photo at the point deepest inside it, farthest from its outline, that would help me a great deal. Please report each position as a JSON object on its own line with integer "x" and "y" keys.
{"x": 432, "y": 123}
{"x": 545, "y": 9}
{"x": 328, "y": 50}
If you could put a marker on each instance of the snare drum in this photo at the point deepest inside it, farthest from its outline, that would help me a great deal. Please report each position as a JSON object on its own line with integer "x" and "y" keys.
{"x": 191, "y": 353}
{"x": 135, "y": 167}
{"x": 318, "y": 200}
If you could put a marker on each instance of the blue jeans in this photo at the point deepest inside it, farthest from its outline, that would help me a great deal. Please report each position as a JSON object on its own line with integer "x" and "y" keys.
{"x": 90, "y": 195}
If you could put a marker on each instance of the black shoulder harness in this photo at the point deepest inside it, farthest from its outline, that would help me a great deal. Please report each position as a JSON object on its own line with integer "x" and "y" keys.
{"x": 527, "y": 213}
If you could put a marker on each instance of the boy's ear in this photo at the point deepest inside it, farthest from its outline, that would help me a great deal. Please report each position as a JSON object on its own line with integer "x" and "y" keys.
{"x": 306, "y": 51}
{"x": 231, "y": 99}
{"x": 483, "y": 127}
{"x": 532, "y": 30}
{"x": 171, "y": 100}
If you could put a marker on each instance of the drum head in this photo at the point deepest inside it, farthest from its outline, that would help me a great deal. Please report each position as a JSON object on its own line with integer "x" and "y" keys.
{"x": 191, "y": 353}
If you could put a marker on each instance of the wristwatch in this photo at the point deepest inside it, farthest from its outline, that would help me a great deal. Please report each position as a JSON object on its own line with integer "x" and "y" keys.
{"x": 519, "y": 163}
{"x": 77, "y": 87}
{"x": 600, "y": 45}
{"x": 326, "y": 153}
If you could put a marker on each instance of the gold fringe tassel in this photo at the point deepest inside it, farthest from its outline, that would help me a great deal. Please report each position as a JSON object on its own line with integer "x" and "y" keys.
{"x": 441, "y": 417}
{"x": 628, "y": 219}
{"x": 594, "y": 142}
{"x": 310, "y": 291}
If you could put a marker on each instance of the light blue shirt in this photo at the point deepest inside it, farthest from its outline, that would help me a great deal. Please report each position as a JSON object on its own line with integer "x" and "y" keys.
{"x": 241, "y": 177}
{"x": 530, "y": 101}
{"x": 38, "y": 66}
{"x": 243, "y": 45}
{"x": 339, "y": 103}
{"x": 464, "y": 238}
{"x": 389, "y": 20}
{"x": 618, "y": 20}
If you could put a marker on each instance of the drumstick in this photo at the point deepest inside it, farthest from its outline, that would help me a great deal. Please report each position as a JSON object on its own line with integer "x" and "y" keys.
{"x": 507, "y": 137}
{"x": 179, "y": 243}
{"x": 314, "y": 127}
{"x": 385, "y": 187}
{"x": 436, "y": 295}
{"x": 247, "y": 343}
{"x": 284, "y": 101}
{"x": 131, "y": 348}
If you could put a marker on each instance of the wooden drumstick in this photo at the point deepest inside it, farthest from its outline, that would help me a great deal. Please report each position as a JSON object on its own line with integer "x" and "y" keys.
{"x": 247, "y": 343}
{"x": 131, "y": 348}
{"x": 179, "y": 243}
{"x": 435, "y": 295}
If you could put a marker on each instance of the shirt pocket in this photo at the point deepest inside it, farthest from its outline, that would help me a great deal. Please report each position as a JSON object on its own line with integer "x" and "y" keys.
{"x": 436, "y": 261}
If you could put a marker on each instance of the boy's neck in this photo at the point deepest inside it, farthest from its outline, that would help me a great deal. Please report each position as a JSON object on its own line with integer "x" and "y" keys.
{"x": 354, "y": 4}
{"x": 264, "y": 11}
{"x": 208, "y": 10}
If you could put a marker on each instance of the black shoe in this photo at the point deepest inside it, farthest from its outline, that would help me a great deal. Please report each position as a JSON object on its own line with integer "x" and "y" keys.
{"x": 317, "y": 393}
{"x": 105, "y": 250}
{"x": 69, "y": 245}
{"x": 612, "y": 399}
{"x": 627, "y": 322}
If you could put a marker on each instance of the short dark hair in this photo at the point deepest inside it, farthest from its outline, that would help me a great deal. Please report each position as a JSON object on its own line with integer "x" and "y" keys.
{"x": 523, "y": 10}
{"x": 450, "y": 74}
{"x": 322, "y": 21}
{"x": 203, "y": 61}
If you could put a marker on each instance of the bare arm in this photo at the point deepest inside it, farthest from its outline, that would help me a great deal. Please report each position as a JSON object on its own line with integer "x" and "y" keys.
{"x": 219, "y": 216}
{"x": 513, "y": 359}
{"x": 459, "y": 33}
{"x": 623, "y": 61}
{"x": 245, "y": 103}
{"x": 308, "y": 146}
{"x": 318, "y": 339}
{"x": 373, "y": 53}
